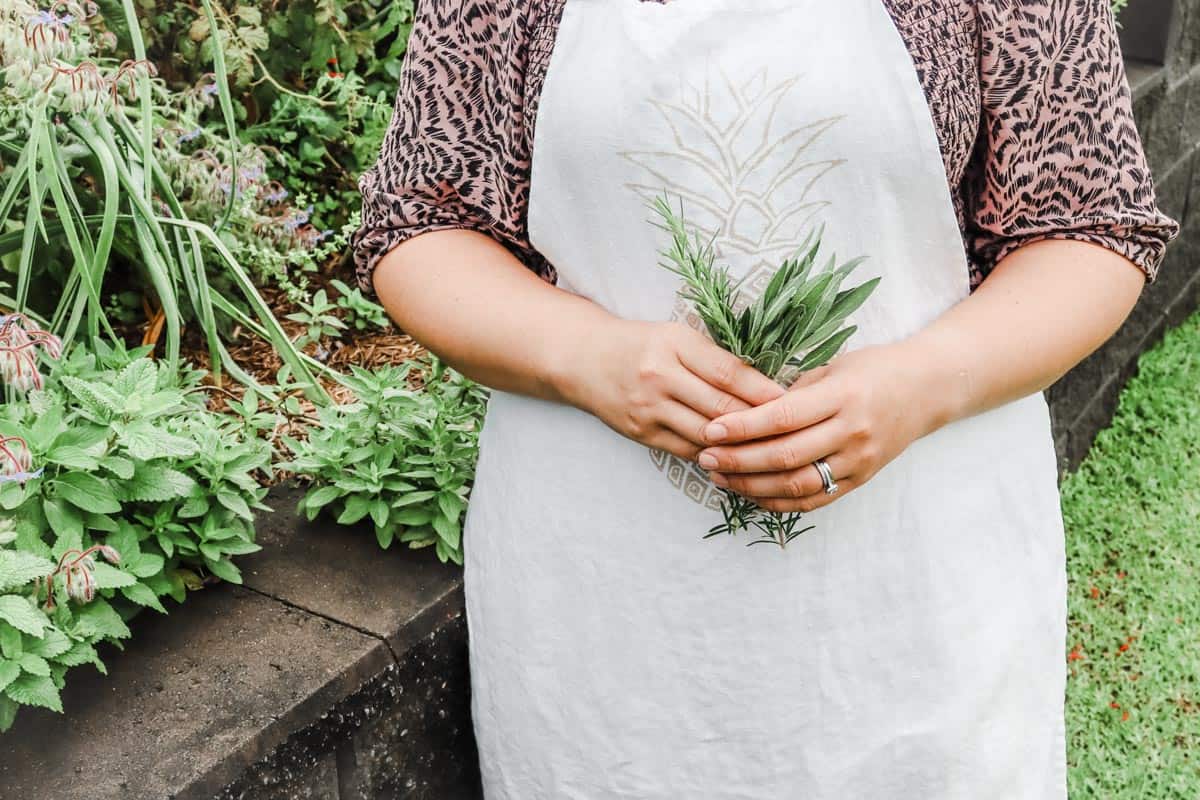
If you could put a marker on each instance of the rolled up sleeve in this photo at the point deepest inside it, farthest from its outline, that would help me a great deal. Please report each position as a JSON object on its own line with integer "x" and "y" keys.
{"x": 454, "y": 154}
{"x": 1058, "y": 154}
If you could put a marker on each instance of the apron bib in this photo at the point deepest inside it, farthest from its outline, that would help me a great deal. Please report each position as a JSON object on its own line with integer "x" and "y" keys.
{"x": 911, "y": 646}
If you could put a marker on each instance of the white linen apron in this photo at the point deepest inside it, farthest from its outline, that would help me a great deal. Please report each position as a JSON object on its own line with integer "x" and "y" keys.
{"x": 911, "y": 646}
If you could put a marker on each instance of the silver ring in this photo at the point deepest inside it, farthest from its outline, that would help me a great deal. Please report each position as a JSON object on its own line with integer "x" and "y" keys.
{"x": 827, "y": 480}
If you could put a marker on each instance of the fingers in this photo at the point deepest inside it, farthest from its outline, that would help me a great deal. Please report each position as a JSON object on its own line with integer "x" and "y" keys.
{"x": 778, "y": 454}
{"x": 725, "y": 371}
{"x": 685, "y": 423}
{"x": 672, "y": 443}
{"x": 793, "y": 411}
{"x": 704, "y": 398}
{"x": 789, "y": 485}
{"x": 810, "y": 503}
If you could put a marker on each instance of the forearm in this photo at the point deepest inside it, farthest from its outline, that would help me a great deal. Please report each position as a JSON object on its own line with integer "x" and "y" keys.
{"x": 466, "y": 298}
{"x": 1041, "y": 311}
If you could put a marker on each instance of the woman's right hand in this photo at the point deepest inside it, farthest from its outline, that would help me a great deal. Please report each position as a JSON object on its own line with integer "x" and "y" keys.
{"x": 660, "y": 383}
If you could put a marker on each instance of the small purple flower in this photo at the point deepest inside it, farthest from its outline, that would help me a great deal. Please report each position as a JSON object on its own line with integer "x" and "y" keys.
{"x": 300, "y": 218}
{"x": 252, "y": 173}
{"x": 22, "y": 477}
{"x": 276, "y": 195}
{"x": 190, "y": 136}
{"x": 210, "y": 90}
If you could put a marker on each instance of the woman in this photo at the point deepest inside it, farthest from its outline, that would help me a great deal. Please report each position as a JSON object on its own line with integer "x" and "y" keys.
{"x": 983, "y": 155}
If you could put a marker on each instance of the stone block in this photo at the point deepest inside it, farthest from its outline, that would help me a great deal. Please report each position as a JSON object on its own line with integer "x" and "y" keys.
{"x": 196, "y": 697}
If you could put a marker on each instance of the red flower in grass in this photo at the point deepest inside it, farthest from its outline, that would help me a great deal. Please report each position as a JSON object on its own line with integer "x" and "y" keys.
{"x": 1075, "y": 654}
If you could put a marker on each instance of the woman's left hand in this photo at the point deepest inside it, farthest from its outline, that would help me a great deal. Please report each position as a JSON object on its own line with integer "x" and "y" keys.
{"x": 857, "y": 413}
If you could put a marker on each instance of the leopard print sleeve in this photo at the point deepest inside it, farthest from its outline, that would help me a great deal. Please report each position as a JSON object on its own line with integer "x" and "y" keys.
{"x": 456, "y": 153}
{"x": 1058, "y": 155}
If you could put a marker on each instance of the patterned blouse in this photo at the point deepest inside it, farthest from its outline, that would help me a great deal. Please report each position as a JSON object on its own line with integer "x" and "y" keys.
{"x": 1029, "y": 97}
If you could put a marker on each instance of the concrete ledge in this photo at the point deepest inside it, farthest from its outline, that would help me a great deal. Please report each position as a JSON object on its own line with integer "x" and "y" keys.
{"x": 339, "y": 672}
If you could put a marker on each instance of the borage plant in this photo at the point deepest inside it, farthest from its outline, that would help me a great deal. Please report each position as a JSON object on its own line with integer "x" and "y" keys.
{"x": 796, "y": 324}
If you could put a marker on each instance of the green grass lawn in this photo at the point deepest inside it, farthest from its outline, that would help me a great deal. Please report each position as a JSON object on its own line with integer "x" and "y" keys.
{"x": 1133, "y": 548}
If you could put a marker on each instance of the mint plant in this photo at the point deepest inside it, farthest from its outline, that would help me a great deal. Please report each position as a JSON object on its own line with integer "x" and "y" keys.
{"x": 402, "y": 457}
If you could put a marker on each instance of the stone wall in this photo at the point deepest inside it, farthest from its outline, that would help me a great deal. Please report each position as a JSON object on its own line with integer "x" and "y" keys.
{"x": 1167, "y": 104}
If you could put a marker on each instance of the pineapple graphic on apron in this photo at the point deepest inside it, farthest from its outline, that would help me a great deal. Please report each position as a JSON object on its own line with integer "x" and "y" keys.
{"x": 911, "y": 646}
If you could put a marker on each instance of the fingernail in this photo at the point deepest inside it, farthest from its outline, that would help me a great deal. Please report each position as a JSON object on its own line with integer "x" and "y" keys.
{"x": 715, "y": 432}
{"x": 708, "y": 461}
{"x": 718, "y": 479}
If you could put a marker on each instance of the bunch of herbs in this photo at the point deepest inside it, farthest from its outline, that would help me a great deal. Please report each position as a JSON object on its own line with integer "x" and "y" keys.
{"x": 796, "y": 324}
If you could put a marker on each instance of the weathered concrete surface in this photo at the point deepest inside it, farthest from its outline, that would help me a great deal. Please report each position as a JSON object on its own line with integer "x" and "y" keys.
{"x": 326, "y": 569}
{"x": 195, "y": 698}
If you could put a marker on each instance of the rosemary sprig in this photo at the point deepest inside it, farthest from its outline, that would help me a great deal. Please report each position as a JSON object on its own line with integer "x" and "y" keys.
{"x": 795, "y": 325}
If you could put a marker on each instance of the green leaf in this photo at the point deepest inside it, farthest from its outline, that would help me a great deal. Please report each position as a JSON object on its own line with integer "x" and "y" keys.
{"x": 451, "y": 504}
{"x": 52, "y": 645}
{"x": 79, "y": 654}
{"x": 120, "y": 466}
{"x": 146, "y": 442}
{"x": 157, "y": 483}
{"x": 236, "y": 504}
{"x": 9, "y": 672}
{"x": 357, "y": 507}
{"x": 35, "y": 690}
{"x": 8, "y": 712}
{"x": 34, "y": 664}
{"x": 144, "y": 565}
{"x": 18, "y": 568}
{"x": 22, "y": 615}
{"x": 12, "y": 495}
{"x": 224, "y": 569}
{"x": 64, "y": 520}
{"x": 414, "y": 516}
{"x": 823, "y": 352}
{"x": 10, "y": 642}
{"x": 413, "y": 498}
{"x": 384, "y": 535}
{"x": 450, "y": 532}
{"x": 109, "y": 577}
{"x": 72, "y": 457}
{"x": 239, "y": 548}
{"x": 319, "y": 498}
{"x": 99, "y": 620}
{"x": 87, "y": 492}
{"x": 142, "y": 595}
{"x": 98, "y": 400}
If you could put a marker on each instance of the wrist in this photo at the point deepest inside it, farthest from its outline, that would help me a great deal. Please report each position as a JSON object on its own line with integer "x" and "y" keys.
{"x": 573, "y": 355}
{"x": 943, "y": 377}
